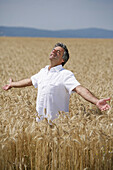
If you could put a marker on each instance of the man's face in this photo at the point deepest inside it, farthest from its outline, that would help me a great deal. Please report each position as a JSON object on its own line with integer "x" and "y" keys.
{"x": 56, "y": 55}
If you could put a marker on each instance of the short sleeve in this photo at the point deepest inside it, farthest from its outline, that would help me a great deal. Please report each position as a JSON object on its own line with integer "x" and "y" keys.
{"x": 35, "y": 78}
{"x": 70, "y": 81}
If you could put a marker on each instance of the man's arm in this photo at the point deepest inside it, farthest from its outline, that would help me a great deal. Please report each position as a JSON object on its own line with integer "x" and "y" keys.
{"x": 18, "y": 84}
{"x": 87, "y": 95}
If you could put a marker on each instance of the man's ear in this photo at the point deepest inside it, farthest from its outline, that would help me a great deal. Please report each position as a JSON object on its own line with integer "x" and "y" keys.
{"x": 62, "y": 60}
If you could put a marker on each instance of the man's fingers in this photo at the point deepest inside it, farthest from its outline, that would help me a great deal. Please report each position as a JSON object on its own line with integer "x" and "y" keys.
{"x": 106, "y": 107}
{"x": 10, "y": 80}
{"x": 108, "y": 99}
{"x": 109, "y": 107}
{"x": 4, "y": 87}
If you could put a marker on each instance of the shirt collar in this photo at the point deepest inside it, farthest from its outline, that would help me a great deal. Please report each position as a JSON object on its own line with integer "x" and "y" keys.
{"x": 55, "y": 69}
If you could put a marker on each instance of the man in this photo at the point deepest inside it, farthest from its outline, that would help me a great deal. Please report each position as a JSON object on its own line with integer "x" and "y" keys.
{"x": 55, "y": 84}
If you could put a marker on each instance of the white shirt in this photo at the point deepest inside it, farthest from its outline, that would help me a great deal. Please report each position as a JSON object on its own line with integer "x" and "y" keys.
{"x": 54, "y": 89}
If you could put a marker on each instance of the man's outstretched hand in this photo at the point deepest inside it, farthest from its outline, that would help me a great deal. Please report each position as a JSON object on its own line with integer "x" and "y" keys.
{"x": 102, "y": 104}
{"x": 8, "y": 86}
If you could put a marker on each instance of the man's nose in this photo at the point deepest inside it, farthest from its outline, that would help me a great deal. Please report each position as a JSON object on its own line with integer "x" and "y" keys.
{"x": 54, "y": 50}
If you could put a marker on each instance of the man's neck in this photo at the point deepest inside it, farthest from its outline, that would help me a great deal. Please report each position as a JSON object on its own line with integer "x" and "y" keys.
{"x": 50, "y": 66}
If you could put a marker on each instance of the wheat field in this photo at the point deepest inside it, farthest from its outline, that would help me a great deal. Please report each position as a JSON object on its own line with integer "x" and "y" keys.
{"x": 83, "y": 140}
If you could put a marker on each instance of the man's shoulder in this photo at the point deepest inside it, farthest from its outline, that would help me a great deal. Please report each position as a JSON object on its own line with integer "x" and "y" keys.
{"x": 44, "y": 68}
{"x": 41, "y": 71}
{"x": 66, "y": 71}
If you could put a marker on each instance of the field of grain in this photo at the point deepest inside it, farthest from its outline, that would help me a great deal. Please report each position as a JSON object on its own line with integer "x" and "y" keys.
{"x": 81, "y": 141}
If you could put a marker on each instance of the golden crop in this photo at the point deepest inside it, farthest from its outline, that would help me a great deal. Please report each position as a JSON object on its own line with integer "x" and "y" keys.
{"x": 81, "y": 141}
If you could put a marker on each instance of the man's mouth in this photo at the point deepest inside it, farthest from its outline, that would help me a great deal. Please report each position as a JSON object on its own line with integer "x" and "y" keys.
{"x": 53, "y": 55}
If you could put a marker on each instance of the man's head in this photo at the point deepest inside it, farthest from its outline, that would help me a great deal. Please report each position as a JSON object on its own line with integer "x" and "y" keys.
{"x": 66, "y": 53}
{"x": 59, "y": 54}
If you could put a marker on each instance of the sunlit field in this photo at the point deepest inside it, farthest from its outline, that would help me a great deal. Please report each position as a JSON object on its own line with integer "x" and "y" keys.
{"x": 79, "y": 140}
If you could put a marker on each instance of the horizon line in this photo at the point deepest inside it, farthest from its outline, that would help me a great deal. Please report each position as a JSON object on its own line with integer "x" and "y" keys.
{"x": 58, "y": 29}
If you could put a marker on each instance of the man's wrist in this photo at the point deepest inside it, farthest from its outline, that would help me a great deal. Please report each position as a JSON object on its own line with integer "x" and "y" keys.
{"x": 11, "y": 85}
{"x": 97, "y": 102}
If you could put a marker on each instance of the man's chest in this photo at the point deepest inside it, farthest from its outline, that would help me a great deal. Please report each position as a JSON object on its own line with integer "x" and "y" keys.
{"x": 51, "y": 82}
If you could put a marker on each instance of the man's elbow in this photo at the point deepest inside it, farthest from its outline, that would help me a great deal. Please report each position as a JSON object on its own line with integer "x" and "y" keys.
{"x": 29, "y": 82}
{"x": 78, "y": 89}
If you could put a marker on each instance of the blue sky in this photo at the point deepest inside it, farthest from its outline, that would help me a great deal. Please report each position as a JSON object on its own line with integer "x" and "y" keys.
{"x": 57, "y": 14}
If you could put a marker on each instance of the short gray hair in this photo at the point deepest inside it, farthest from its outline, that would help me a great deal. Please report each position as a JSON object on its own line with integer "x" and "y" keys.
{"x": 66, "y": 53}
